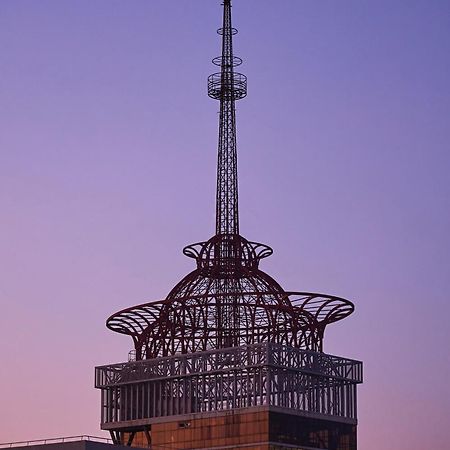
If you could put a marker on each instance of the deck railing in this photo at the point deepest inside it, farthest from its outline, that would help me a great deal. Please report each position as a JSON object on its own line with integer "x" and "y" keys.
{"x": 259, "y": 375}
{"x": 57, "y": 440}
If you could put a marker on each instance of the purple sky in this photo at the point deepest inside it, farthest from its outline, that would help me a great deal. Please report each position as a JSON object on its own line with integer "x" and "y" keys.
{"x": 107, "y": 166}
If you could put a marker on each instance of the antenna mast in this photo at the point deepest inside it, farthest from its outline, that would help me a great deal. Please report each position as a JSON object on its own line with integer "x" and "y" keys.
{"x": 227, "y": 86}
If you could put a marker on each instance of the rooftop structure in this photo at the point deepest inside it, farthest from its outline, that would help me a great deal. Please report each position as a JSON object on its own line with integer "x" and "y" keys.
{"x": 229, "y": 348}
{"x": 83, "y": 442}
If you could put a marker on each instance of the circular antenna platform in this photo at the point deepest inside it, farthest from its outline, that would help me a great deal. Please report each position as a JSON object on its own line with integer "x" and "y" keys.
{"x": 219, "y": 61}
{"x": 231, "y": 87}
{"x": 233, "y": 31}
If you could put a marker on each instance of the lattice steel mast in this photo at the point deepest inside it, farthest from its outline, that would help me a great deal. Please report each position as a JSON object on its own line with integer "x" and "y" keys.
{"x": 227, "y": 86}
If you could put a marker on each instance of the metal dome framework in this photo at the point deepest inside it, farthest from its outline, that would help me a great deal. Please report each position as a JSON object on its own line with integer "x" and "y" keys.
{"x": 227, "y": 301}
{"x": 190, "y": 318}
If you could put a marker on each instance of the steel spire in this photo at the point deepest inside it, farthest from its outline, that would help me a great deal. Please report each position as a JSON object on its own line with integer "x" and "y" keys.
{"x": 227, "y": 86}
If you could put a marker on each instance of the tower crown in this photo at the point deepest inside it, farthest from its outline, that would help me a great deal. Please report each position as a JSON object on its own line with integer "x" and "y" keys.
{"x": 229, "y": 359}
{"x": 227, "y": 301}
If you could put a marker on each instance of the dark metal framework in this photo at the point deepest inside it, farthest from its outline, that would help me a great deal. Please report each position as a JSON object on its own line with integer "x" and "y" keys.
{"x": 227, "y": 300}
{"x": 228, "y": 335}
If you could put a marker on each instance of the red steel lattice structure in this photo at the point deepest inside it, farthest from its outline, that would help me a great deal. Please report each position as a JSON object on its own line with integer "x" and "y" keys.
{"x": 227, "y": 300}
{"x": 226, "y": 303}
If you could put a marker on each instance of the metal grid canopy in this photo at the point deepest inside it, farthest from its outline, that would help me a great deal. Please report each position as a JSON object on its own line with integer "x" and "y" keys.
{"x": 227, "y": 301}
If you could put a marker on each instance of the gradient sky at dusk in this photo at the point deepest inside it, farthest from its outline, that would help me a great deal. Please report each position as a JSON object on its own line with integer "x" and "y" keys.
{"x": 107, "y": 169}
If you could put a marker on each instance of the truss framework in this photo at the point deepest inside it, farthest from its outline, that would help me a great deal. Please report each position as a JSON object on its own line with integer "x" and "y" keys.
{"x": 228, "y": 301}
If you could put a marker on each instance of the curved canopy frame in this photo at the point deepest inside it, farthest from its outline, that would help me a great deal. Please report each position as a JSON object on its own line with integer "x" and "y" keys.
{"x": 191, "y": 318}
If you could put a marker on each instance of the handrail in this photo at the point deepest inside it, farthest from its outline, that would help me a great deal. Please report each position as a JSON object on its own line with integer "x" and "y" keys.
{"x": 83, "y": 437}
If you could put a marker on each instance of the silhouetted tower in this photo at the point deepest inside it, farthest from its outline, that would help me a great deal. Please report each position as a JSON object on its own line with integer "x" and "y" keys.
{"x": 227, "y": 86}
{"x": 230, "y": 359}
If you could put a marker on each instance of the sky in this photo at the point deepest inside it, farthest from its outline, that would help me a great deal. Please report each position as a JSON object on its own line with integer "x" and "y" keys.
{"x": 108, "y": 147}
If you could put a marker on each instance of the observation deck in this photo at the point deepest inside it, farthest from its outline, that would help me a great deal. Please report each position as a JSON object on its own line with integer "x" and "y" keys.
{"x": 262, "y": 376}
